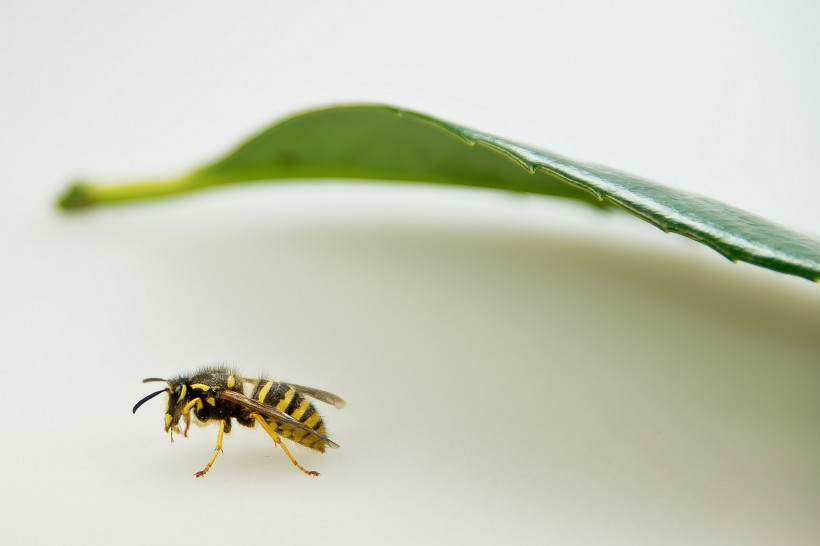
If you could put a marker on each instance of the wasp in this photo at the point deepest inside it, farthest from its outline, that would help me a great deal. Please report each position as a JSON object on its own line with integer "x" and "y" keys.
{"x": 222, "y": 395}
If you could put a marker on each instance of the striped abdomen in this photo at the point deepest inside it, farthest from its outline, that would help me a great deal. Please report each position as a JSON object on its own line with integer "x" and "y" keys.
{"x": 288, "y": 400}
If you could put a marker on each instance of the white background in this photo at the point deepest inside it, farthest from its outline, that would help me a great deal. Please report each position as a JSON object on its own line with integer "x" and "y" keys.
{"x": 516, "y": 369}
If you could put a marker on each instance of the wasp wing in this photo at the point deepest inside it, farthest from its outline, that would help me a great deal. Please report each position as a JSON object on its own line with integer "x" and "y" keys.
{"x": 273, "y": 413}
{"x": 322, "y": 396}
{"x": 318, "y": 394}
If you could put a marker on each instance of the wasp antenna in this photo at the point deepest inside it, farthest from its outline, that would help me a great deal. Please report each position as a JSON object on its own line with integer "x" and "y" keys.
{"x": 147, "y": 398}
{"x": 153, "y": 379}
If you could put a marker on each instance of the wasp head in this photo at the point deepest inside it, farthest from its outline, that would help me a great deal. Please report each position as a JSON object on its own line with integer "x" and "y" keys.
{"x": 177, "y": 390}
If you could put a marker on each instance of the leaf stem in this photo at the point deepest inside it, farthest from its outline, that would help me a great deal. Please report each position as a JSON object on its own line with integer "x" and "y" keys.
{"x": 82, "y": 194}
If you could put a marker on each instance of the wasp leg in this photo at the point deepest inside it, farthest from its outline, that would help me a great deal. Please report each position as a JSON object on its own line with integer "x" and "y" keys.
{"x": 186, "y": 414}
{"x": 216, "y": 451}
{"x": 187, "y": 418}
{"x": 281, "y": 444}
{"x": 195, "y": 402}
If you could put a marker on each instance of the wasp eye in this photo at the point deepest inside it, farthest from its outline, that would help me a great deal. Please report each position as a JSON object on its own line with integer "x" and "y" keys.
{"x": 177, "y": 389}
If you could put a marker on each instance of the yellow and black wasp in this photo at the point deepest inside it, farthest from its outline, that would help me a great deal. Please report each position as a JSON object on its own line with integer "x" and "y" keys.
{"x": 222, "y": 394}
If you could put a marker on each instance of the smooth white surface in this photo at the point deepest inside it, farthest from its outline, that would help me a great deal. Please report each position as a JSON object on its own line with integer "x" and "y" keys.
{"x": 516, "y": 369}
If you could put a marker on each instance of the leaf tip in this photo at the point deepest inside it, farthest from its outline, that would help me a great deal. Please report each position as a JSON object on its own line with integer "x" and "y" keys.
{"x": 77, "y": 196}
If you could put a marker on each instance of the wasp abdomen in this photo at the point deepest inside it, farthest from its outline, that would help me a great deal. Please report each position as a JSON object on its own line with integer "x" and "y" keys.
{"x": 290, "y": 401}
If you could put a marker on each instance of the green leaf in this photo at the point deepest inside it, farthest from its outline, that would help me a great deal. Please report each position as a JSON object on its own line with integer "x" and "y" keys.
{"x": 387, "y": 143}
